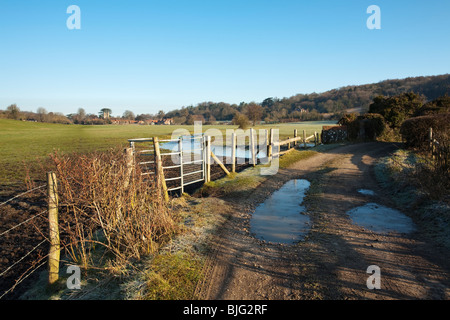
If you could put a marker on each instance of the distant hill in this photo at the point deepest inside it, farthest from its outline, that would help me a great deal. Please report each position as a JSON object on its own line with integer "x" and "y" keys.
{"x": 316, "y": 106}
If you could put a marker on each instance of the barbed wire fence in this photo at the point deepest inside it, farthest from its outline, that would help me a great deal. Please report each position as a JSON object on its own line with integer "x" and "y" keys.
{"x": 23, "y": 266}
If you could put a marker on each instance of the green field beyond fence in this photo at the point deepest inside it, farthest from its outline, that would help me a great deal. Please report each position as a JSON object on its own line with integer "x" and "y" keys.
{"x": 25, "y": 144}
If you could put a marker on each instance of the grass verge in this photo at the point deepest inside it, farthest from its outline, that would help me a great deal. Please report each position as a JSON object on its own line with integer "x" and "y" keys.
{"x": 401, "y": 174}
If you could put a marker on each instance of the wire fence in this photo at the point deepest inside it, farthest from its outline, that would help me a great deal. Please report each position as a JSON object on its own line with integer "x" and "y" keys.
{"x": 24, "y": 231}
{"x": 22, "y": 194}
{"x": 22, "y": 254}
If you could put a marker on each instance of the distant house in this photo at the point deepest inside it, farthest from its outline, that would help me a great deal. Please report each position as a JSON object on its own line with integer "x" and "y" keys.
{"x": 123, "y": 121}
{"x": 148, "y": 122}
{"x": 167, "y": 121}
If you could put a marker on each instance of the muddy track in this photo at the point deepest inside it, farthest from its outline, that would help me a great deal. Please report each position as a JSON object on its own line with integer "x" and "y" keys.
{"x": 331, "y": 262}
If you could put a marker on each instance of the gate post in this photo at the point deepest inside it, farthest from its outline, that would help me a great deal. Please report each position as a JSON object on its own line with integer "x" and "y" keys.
{"x": 180, "y": 149}
{"x": 161, "y": 182}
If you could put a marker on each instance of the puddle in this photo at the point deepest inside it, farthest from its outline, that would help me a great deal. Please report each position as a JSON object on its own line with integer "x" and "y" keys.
{"x": 280, "y": 218}
{"x": 381, "y": 219}
{"x": 366, "y": 192}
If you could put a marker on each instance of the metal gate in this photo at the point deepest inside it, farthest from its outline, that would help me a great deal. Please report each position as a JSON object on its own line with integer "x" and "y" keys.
{"x": 183, "y": 159}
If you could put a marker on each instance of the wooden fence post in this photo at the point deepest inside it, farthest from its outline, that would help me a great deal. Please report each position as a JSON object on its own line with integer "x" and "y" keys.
{"x": 130, "y": 165}
{"x": 430, "y": 136}
{"x": 270, "y": 148}
{"x": 180, "y": 149}
{"x": 208, "y": 158}
{"x": 252, "y": 147}
{"x": 304, "y": 139}
{"x": 161, "y": 182}
{"x": 54, "y": 251}
{"x": 295, "y": 136}
{"x": 233, "y": 152}
{"x": 204, "y": 157}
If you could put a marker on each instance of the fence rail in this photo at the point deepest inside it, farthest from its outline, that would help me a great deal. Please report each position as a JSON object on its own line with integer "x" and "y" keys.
{"x": 294, "y": 141}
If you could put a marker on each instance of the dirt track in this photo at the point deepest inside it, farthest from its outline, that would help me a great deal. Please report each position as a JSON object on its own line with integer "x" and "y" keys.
{"x": 331, "y": 262}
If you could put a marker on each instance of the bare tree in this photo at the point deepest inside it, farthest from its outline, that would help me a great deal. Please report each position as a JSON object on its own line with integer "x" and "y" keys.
{"x": 41, "y": 112}
{"x": 254, "y": 112}
{"x": 13, "y": 112}
{"x": 81, "y": 114}
{"x": 161, "y": 114}
{"x": 128, "y": 115}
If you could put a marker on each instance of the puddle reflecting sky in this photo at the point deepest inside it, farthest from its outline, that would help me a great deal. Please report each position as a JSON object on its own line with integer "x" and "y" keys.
{"x": 280, "y": 218}
{"x": 366, "y": 192}
{"x": 381, "y": 219}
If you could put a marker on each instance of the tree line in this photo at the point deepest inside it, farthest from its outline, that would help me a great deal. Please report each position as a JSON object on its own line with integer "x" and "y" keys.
{"x": 80, "y": 117}
{"x": 332, "y": 104}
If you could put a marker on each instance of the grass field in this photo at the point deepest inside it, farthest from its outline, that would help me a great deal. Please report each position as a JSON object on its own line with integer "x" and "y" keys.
{"x": 25, "y": 144}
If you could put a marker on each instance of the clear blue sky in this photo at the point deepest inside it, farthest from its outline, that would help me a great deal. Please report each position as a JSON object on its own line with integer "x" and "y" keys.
{"x": 151, "y": 55}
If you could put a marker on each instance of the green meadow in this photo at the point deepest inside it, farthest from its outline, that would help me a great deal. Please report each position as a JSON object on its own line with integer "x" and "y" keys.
{"x": 28, "y": 144}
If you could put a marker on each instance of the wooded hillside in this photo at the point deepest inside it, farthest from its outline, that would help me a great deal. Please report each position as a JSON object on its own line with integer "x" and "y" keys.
{"x": 316, "y": 106}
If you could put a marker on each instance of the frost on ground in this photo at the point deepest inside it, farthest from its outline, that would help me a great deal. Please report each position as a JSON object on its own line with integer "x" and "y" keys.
{"x": 398, "y": 173}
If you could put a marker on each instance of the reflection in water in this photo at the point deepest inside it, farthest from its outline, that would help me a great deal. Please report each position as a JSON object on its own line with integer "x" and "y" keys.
{"x": 219, "y": 151}
{"x": 366, "y": 192}
{"x": 281, "y": 217}
{"x": 381, "y": 219}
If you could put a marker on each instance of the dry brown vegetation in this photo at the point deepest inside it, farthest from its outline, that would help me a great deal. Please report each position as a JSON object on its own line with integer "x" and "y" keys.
{"x": 433, "y": 171}
{"x": 103, "y": 203}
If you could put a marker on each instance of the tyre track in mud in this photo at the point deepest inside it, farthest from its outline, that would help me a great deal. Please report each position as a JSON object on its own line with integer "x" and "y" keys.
{"x": 331, "y": 262}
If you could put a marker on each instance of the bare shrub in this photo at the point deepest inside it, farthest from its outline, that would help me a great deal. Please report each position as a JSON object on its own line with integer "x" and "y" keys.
{"x": 415, "y": 132}
{"x": 241, "y": 120}
{"x": 432, "y": 173}
{"x": 104, "y": 203}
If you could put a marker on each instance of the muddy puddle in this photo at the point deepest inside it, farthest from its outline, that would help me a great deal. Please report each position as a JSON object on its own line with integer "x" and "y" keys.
{"x": 381, "y": 219}
{"x": 366, "y": 192}
{"x": 281, "y": 218}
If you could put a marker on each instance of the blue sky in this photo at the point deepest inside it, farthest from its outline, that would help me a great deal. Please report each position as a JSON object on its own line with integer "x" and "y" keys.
{"x": 147, "y": 56}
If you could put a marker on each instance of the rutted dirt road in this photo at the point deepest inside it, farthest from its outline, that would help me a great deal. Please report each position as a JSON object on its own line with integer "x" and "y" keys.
{"x": 331, "y": 262}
